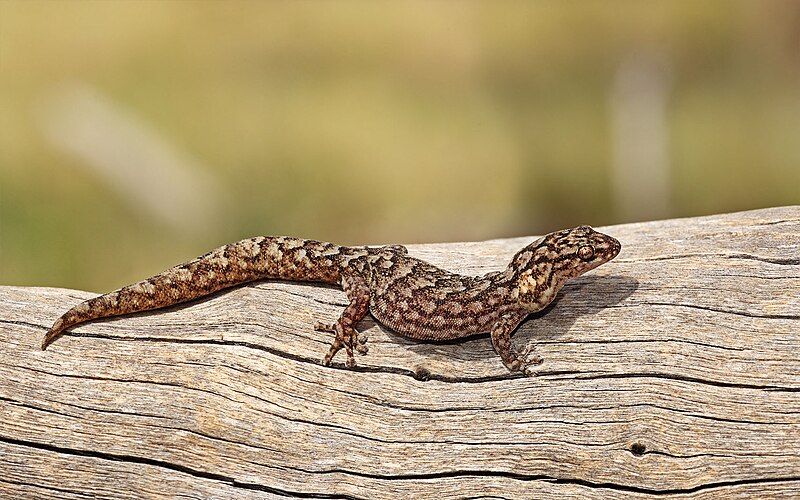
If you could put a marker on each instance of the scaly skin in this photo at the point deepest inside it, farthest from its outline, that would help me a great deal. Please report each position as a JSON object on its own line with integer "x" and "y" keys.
{"x": 410, "y": 296}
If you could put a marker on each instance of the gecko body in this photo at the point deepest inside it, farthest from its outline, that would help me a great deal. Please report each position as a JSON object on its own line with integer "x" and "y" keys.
{"x": 410, "y": 296}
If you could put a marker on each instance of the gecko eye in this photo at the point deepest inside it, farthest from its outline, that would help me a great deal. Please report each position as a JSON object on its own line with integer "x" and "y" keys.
{"x": 586, "y": 252}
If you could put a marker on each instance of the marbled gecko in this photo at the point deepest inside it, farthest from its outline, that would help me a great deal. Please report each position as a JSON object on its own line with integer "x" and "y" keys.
{"x": 412, "y": 297}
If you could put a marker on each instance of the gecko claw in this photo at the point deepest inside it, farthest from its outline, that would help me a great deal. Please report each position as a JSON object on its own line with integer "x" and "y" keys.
{"x": 335, "y": 346}
{"x": 528, "y": 371}
{"x": 325, "y": 327}
{"x": 347, "y": 338}
{"x": 527, "y": 359}
{"x": 361, "y": 343}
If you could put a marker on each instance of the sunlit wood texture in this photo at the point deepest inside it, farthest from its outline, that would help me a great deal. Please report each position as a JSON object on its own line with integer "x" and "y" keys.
{"x": 672, "y": 370}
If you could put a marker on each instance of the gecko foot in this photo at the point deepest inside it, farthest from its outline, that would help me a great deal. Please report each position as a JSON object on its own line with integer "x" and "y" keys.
{"x": 528, "y": 359}
{"x": 347, "y": 338}
{"x": 523, "y": 361}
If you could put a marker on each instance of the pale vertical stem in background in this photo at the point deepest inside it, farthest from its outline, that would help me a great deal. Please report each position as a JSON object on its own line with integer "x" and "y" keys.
{"x": 145, "y": 169}
{"x": 641, "y": 164}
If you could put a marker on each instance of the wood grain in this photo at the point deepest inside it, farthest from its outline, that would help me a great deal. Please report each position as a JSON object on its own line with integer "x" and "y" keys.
{"x": 671, "y": 371}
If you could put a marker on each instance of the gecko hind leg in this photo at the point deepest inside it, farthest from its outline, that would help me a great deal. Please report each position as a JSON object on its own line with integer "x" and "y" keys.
{"x": 347, "y": 336}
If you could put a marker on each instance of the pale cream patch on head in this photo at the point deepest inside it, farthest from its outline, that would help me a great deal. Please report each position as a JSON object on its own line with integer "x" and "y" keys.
{"x": 547, "y": 295}
{"x": 526, "y": 283}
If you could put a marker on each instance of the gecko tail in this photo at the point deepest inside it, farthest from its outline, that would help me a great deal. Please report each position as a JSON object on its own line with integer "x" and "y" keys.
{"x": 53, "y": 333}
{"x": 81, "y": 313}
{"x": 270, "y": 257}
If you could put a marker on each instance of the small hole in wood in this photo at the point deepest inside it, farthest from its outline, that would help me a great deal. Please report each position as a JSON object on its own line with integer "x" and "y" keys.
{"x": 422, "y": 374}
{"x": 638, "y": 449}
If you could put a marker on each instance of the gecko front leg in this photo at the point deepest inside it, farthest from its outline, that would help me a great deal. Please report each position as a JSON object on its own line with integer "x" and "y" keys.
{"x": 357, "y": 290}
{"x": 501, "y": 341}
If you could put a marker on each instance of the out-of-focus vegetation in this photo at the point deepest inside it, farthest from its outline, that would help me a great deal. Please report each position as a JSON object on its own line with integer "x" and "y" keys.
{"x": 134, "y": 135}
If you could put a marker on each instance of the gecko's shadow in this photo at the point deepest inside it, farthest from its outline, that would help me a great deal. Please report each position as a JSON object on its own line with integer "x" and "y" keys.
{"x": 581, "y": 297}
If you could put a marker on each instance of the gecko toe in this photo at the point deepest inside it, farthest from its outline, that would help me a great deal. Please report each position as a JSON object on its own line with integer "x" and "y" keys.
{"x": 347, "y": 338}
{"x": 325, "y": 327}
{"x": 530, "y": 360}
{"x": 360, "y": 341}
{"x": 524, "y": 361}
{"x": 529, "y": 356}
{"x": 528, "y": 371}
{"x": 326, "y": 361}
{"x": 534, "y": 359}
{"x": 351, "y": 360}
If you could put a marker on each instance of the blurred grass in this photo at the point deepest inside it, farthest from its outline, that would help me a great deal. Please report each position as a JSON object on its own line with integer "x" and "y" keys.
{"x": 363, "y": 122}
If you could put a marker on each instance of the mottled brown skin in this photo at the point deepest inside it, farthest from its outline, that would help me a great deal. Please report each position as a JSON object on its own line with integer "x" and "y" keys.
{"x": 410, "y": 296}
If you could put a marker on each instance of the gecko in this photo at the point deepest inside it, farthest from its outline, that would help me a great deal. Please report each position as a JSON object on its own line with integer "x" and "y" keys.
{"x": 409, "y": 296}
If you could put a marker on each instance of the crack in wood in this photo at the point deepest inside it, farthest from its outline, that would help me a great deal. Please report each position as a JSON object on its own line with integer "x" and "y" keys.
{"x": 461, "y": 474}
{"x": 695, "y": 380}
{"x": 117, "y": 457}
{"x": 639, "y": 341}
{"x": 712, "y": 309}
{"x": 48, "y": 488}
{"x": 788, "y": 261}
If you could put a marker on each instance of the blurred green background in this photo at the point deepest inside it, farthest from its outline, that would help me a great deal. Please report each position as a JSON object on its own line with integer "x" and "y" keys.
{"x": 136, "y": 135}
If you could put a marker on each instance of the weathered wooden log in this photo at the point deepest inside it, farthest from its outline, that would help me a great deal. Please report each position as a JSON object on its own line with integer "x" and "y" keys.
{"x": 674, "y": 369}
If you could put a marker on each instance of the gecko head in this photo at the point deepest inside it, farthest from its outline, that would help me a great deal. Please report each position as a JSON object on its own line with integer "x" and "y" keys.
{"x": 542, "y": 268}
